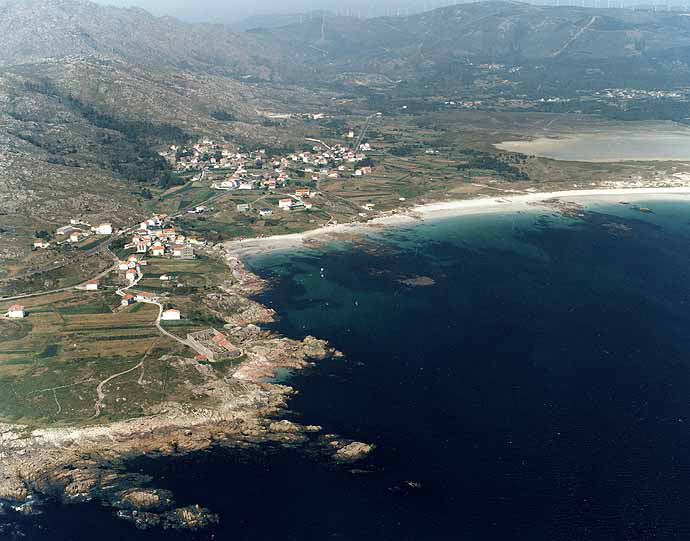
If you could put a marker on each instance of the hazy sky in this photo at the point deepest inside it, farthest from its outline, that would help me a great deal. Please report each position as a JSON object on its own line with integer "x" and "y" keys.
{"x": 229, "y": 10}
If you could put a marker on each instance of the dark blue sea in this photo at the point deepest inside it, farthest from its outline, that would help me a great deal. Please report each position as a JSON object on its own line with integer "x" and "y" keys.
{"x": 525, "y": 376}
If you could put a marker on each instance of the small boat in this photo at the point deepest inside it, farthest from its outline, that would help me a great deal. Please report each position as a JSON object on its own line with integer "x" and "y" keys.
{"x": 645, "y": 209}
{"x": 623, "y": 203}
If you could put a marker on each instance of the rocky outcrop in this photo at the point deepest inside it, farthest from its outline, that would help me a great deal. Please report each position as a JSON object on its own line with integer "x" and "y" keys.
{"x": 353, "y": 451}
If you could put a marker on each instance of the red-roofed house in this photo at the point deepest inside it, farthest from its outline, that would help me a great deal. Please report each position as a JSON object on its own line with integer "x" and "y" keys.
{"x": 16, "y": 312}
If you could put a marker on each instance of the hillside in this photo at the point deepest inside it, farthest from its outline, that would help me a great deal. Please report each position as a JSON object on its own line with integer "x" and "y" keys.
{"x": 34, "y": 30}
{"x": 432, "y": 44}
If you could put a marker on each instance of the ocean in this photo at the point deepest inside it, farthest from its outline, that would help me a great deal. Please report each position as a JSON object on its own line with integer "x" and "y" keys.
{"x": 524, "y": 376}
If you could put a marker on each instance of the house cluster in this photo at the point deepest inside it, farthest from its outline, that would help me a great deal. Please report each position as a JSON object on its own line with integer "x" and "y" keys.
{"x": 158, "y": 237}
{"x": 76, "y": 231}
{"x": 330, "y": 162}
{"x": 256, "y": 170}
{"x": 637, "y": 94}
{"x": 206, "y": 155}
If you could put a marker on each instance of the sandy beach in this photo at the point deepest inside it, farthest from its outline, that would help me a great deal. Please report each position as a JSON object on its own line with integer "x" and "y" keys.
{"x": 511, "y": 202}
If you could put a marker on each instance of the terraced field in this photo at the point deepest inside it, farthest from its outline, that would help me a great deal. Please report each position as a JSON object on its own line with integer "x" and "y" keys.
{"x": 52, "y": 362}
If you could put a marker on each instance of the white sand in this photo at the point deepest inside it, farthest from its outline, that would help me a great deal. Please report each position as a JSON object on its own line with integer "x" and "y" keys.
{"x": 448, "y": 209}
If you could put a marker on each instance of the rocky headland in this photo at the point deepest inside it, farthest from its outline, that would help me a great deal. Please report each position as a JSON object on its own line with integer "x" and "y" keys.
{"x": 241, "y": 410}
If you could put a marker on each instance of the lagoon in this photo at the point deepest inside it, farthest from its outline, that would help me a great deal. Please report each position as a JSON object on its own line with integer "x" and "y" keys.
{"x": 635, "y": 142}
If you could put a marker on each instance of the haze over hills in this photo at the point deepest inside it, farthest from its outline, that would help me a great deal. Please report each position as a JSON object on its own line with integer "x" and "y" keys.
{"x": 429, "y": 44}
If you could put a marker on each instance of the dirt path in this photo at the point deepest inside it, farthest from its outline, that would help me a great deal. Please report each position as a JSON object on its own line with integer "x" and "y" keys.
{"x": 577, "y": 35}
{"x": 99, "y": 390}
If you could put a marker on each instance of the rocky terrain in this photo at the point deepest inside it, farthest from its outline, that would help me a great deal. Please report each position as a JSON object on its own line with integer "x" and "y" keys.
{"x": 77, "y": 464}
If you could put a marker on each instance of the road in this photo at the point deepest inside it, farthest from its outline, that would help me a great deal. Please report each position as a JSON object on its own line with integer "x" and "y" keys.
{"x": 60, "y": 290}
{"x": 577, "y": 35}
{"x": 362, "y": 135}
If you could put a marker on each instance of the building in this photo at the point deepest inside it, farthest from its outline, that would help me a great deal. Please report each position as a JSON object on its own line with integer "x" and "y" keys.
{"x": 16, "y": 312}
{"x": 213, "y": 345}
{"x": 302, "y": 192}
{"x": 91, "y": 286}
{"x": 145, "y": 296}
{"x": 242, "y": 207}
{"x": 41, "y": 244}
{"x": 122, "y": 265}
{"x": 131, "y": 275}
{"x": 104, "y": 229}
{"x": 171, "y": 315}
{"x": 265, "y": 212}
{"x": 75, "y": 236}
{"x": 187, "y": 252}
{"x": 65, "y": 230}
{"x": 285, "y": 204}
{"x": 127, "y": 300}
{"x": 157, "y": 251}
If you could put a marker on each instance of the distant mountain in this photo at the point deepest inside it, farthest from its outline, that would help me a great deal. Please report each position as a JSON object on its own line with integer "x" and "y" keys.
{"x": 429, "y": 44}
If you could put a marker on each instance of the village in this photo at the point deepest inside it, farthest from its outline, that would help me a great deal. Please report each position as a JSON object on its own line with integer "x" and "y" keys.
{"x": 256, "y": 170}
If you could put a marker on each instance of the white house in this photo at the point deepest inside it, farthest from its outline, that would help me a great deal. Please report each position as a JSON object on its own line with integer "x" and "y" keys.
{"x": 91, "y": 286}
{"x": 131, "y": 275}
{"x": 285, "y": 204}
{"x": 170, "y": 315}
{"x": 122, "y": 266}
{"x": 104, "y": 229}
{"x": 157, "y": 251}
{"x": 75, "y": 236}
{"x": 41, "y": 244}
{"x": 16, "y": 312}
{"x": 127, "y": 300}
{"x": 265, "y": 212}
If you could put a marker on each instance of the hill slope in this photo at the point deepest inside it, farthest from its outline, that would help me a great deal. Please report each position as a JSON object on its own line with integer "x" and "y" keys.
{"x": 424, "y": 45}
{"x": 34, "y": 30}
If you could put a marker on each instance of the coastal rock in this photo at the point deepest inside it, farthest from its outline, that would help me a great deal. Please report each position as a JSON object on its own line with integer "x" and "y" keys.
{"x": 284, "y": 426}
{"x": 353, "y": 451}
{"x": 146, "y": 500}
{"x": 191, "y": 518}
{"x": 316, "y": 348}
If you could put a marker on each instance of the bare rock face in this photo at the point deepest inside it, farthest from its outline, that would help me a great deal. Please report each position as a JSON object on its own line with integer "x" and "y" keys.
{"x": 145, "y": 500}
{"x": 354, "y": 451}
{"x": 316, "y": 348}
{"x": 284, "y": 426}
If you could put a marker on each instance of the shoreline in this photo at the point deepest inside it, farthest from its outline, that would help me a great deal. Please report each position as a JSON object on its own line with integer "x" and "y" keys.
{"x": 77, "y": 463}
{"x": 510, "y": 202}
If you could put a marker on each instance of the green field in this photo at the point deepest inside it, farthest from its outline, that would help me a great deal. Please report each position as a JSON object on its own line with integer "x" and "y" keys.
{"x": 52, "y": 361}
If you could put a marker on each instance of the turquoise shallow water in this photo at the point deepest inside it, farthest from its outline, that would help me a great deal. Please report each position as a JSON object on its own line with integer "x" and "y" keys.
{"x": 537, "y": 389}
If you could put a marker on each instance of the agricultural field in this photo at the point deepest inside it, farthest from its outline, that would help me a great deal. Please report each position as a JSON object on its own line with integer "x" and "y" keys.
{"x": 53, "y": 361}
